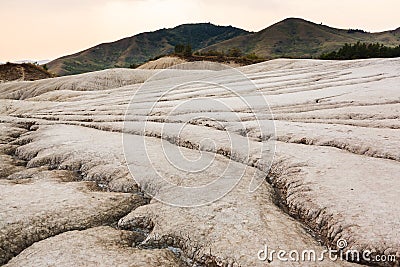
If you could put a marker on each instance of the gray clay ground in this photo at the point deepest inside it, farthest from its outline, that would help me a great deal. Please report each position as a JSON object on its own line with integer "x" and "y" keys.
{"x": 67, "y": 197}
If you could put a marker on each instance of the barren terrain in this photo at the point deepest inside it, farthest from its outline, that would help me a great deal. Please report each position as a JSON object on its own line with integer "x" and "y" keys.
{"x": 77, "y": 186}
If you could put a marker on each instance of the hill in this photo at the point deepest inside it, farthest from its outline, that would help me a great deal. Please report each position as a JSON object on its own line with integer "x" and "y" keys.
{"x": 298, "y": 38}
{"x": 142, "y": 47}
{"x": 292, "y": 37}
{"x": 22, "y": 72}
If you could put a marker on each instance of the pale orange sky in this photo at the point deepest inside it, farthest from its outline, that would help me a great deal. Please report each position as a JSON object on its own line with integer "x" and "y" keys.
{"x": 47, "y": 29}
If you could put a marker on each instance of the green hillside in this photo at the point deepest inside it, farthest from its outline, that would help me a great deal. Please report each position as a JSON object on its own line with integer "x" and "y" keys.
{"x": 140, "y": 48}
{"x": 299, "y": 38}
{"x": 293, "y": 37}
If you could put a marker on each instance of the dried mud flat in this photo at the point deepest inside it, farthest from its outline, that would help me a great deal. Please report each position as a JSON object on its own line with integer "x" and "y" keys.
{"x": 67, "y": 196}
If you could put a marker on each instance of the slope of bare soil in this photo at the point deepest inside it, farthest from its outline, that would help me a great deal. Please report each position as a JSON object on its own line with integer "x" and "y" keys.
{"x": 22, "y": 72}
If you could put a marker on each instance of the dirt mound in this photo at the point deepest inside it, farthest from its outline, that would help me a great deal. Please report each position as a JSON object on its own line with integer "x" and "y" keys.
{"x": 162, "y": 63}
{"x": 22, "y": 72}
{"x": 197, "y": 63}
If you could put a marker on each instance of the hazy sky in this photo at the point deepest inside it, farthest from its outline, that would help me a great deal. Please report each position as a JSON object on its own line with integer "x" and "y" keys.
{"x": 47, "y": 29}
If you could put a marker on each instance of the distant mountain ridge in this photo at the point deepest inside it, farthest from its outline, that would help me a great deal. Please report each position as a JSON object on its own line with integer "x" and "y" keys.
{"x": 140, "y": 48}
{"x": 292, "y": 37}
{"x": 39, "y": 62}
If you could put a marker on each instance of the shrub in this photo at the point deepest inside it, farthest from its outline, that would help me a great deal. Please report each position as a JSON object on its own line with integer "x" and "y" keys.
{"x": 362, "y": 50}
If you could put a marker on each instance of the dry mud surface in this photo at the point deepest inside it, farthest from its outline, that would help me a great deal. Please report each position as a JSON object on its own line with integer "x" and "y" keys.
{"x": 67, "y": 196}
